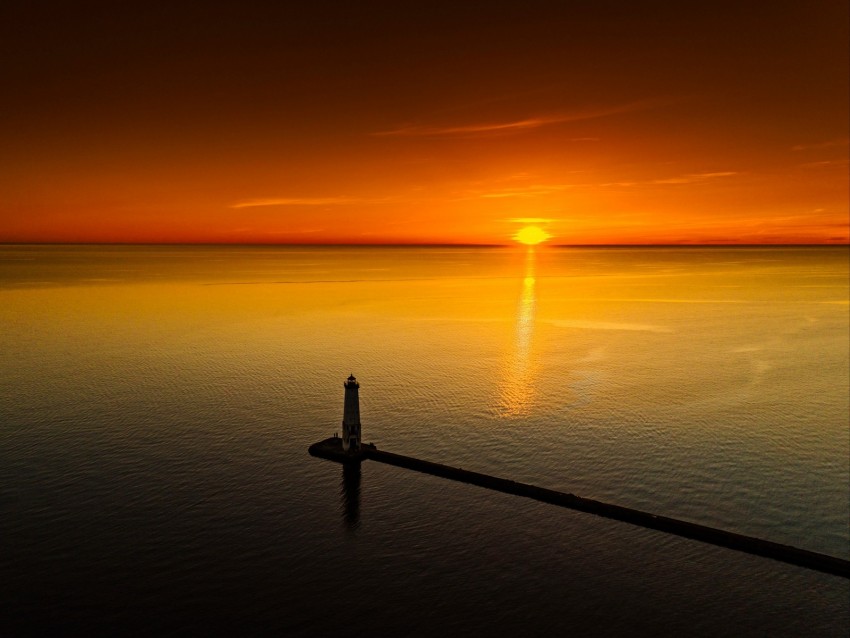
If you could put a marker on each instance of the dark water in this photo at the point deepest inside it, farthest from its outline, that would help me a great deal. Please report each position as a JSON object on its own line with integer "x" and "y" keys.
{"x": 157, "y": 404}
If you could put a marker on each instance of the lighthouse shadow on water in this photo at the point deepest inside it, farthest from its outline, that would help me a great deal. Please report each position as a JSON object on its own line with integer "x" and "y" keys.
{"x": 350, "y": 495}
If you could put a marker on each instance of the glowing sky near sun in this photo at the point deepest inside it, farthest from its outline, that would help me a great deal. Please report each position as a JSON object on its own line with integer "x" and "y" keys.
{"x": 604, "y": 122}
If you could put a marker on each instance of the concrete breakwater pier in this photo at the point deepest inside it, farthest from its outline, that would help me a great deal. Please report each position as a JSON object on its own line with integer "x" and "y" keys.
{"x": 331, "y": 449}
{"x": 349, "y": 449}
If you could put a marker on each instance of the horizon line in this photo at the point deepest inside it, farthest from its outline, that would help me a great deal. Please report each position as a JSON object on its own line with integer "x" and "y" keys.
{"x": 433, "y": 244}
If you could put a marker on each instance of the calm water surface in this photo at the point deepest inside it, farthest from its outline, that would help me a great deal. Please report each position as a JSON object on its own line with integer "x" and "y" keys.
{"x": 157, "y": 404}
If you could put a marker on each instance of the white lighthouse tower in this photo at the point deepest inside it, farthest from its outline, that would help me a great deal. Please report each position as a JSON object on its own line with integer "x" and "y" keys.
{"x": 351, "y": 416}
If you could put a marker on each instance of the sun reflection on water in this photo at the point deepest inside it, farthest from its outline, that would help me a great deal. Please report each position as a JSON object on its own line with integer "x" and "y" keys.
{"x": 517, "y": 389}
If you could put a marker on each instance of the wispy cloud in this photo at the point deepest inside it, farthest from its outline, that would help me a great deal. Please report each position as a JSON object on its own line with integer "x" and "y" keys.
{"x": 539, "y": 190}
{"x": 267, "y": 232}
{"x": 306, "y": 201}
{"x": 838, "y": 142}
{"x": 688, "y": 178}
{"x": 515, "y": 126}
{"x": 825, "y": 163}
{"x": 533, "y": 190}
{"x": 498, "y": 127}
{"x": 303, "y": 231}
{"x": 691, "y": 178}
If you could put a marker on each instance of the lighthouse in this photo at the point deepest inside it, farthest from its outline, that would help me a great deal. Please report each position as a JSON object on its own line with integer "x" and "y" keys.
{"x": 351, "y": 416}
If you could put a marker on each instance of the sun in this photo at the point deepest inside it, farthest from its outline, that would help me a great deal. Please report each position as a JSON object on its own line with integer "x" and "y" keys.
{"x": 531, "y": 235}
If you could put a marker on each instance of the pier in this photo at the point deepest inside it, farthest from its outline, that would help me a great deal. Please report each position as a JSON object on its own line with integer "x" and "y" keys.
{"x": 332, "y": 450}
{"x": 349, "y": 450}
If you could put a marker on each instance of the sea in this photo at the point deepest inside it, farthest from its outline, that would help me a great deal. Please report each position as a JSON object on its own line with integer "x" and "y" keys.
{"x": 157, "y": 403}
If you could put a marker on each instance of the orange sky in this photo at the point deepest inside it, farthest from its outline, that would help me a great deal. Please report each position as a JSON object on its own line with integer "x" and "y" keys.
{"x": 375, "y": 122}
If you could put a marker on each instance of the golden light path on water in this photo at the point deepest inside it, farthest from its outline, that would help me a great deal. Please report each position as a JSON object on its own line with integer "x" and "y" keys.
{"x": 517, "y": 389}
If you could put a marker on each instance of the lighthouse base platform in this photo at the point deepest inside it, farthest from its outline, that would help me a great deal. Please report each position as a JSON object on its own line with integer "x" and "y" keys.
{"x": 331, "y": 450}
